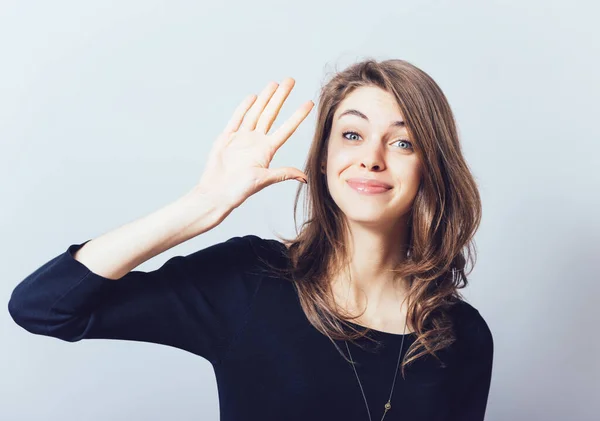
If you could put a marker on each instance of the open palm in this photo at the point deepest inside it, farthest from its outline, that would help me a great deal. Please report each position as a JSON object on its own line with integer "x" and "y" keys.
{"x": 238, "y": 163}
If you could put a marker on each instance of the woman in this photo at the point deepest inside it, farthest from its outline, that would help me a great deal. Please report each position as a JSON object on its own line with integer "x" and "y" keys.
{"x": 318, "y": 327}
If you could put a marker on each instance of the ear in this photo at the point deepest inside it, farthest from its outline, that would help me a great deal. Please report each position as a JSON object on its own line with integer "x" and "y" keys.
{"x": 323, "y": 168}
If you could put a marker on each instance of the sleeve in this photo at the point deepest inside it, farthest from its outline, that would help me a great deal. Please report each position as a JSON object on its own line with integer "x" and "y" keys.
{"x": 475, "y": 374}
{"x": 197, "y": 302}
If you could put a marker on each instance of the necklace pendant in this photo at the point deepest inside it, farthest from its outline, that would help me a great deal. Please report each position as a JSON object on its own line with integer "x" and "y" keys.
{"x": 388, "y": 406}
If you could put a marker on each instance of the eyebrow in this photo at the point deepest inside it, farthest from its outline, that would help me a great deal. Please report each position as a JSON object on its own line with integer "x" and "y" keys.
{"x": 357, "y": 113}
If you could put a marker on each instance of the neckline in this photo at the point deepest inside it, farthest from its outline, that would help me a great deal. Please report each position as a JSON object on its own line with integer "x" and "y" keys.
{"x": 381, "y": 332}
{"x": 374, "y": 331}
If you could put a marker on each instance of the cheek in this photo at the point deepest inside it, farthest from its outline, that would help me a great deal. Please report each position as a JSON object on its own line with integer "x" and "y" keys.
{"x": 409, "y": 176}
{"x": 338, "y": 161}
{"x": 412, "y": 173}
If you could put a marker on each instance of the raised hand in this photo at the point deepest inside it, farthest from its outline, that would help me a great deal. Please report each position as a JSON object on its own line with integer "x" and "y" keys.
{"x": 238, "y": 163}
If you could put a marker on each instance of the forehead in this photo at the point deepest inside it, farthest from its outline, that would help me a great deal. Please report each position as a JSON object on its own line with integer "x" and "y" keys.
{"x": 377, "y": 104}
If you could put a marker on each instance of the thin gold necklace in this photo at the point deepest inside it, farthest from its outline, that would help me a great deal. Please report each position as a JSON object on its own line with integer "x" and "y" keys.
{"x": 388, "y": 404}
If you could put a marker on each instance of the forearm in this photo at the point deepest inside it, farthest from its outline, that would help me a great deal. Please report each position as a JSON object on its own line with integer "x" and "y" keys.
{"x": 117, "y": 252}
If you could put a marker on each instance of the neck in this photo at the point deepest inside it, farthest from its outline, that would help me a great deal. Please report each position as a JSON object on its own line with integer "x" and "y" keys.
{"x": 368, "y": 284}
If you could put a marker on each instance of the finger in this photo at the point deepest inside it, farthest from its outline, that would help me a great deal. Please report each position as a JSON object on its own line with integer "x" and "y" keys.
{"x": 277, "y": 175}
{"x": 238, "y": 115}
{"x": 272, "y": 109}
{"x": 291, "y": 124}
{"x": 251, "y": 117}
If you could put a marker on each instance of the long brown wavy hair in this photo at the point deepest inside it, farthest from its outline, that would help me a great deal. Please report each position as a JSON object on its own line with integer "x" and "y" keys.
{"x": 443, "y": 219}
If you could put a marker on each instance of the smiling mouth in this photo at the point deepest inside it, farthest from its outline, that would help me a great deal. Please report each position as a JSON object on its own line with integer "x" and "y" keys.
{"x": 368, "y": 189}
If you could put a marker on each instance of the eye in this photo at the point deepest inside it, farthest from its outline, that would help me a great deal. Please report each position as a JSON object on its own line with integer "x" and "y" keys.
{"x": 399, "y": 140}
{"x": 353, "y": 133}
{"x": 405, "y": 141}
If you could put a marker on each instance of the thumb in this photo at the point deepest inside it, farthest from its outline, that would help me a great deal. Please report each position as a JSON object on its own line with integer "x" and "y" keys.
{"x": 278, "y": 175}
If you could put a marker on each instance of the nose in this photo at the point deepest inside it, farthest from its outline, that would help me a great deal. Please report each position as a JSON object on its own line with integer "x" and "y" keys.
{"x": 372, "y": 158}
{"x": 372, "y": 166}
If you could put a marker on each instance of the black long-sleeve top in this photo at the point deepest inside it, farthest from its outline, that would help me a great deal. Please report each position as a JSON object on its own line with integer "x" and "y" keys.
{"x": 270, "y": 363}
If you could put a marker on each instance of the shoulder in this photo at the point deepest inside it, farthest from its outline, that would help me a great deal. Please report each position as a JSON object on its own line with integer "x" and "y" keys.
{"x": 262, "y": 248}
{"x": 236, "y": 254}
{"x": 246, "y": 247}
{"x": 258, "y": 253}
{"x": 472, "y": 331}
{"x": 264, "y": 245}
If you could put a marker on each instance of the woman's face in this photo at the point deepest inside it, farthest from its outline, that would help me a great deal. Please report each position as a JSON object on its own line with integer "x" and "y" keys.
{"x": 371, "y": 142}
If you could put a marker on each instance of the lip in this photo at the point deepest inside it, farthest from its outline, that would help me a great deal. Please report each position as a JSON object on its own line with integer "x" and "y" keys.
{"x": 368, "y": 185}
{"x": 367, "y": 182}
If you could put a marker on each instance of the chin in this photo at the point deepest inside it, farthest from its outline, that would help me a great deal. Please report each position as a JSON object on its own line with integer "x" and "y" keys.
{"x": 365, "y": 213}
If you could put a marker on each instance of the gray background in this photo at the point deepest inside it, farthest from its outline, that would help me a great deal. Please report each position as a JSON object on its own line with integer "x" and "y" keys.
{"x": 108, "y": 109}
